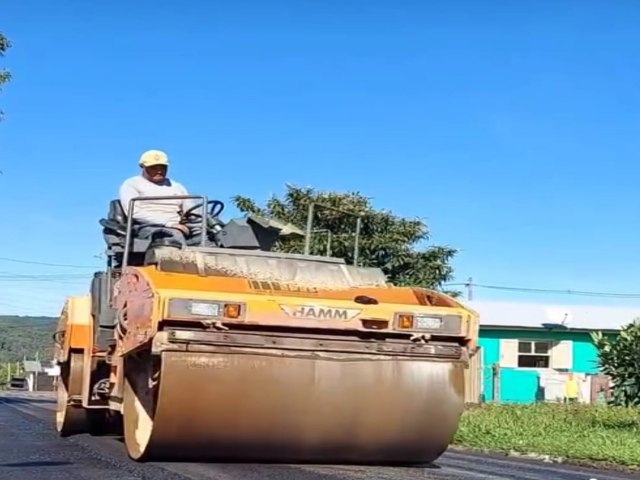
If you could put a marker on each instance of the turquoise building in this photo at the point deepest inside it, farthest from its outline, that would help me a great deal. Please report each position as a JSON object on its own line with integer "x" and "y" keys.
{"x": 528, "y": 350}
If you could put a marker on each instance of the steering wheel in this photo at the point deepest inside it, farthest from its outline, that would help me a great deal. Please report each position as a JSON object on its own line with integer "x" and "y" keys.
{"x": 189, "y": 216}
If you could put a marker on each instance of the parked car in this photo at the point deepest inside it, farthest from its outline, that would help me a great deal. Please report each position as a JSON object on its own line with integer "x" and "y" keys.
{"x": 18, "y": 383}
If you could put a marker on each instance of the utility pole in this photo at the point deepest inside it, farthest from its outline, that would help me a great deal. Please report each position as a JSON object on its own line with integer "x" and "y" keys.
{"x": 37, "y": 372}
{"x": 469, "y": 286}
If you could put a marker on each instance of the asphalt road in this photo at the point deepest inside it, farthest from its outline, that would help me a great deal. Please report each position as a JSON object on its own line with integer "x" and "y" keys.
{"x": 30, "y": 449}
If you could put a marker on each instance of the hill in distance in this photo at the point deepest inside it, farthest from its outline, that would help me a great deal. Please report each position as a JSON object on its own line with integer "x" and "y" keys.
{"x": 26, "y": 320}
{"x": 25, "y": 336}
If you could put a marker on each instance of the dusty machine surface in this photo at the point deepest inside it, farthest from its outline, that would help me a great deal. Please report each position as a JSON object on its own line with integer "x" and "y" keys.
{"x": 224, "y": 350}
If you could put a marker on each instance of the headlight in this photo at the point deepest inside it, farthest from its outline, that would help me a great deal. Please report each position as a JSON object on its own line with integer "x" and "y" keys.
{"x": 204, "y": 309}
{"x": 422, "y": 322}
{"x": 184, "y": 308}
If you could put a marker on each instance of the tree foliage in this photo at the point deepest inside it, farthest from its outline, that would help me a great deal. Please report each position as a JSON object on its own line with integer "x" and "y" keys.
{"x": 386, "y": 240}
{"x": 5, "y": 75}
{"x": 619, "y": 358}
{"x": 22, "y": 337}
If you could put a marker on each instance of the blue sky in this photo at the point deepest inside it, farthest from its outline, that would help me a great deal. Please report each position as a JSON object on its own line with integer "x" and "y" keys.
{"x": 511, "y": 127}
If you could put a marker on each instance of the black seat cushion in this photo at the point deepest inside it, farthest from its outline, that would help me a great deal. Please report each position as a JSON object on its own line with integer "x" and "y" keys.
{"x": 116, "y": 212}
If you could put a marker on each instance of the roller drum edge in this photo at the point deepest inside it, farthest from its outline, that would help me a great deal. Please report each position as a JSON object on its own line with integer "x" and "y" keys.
{"x": 71, "y": 418}
{"x": 256, "y": 407}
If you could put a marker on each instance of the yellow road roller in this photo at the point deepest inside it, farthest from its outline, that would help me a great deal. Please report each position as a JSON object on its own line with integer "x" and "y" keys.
{"x": 218, "y": 348}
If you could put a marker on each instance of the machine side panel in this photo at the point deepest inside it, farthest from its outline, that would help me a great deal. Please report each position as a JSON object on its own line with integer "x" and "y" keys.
{"x": 135, "y": 301}
{"x": 283, "y": 311}
{"x": 75, "y": 327}
{"x": 81, "y": 323}
{"x": 60, "y": 337}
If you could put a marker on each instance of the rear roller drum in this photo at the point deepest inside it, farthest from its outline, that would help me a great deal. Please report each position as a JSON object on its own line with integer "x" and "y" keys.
{"x": 71, "y": 419}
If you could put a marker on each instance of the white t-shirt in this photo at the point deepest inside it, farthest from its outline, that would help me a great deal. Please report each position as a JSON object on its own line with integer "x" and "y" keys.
{"x": 162, "y": 212}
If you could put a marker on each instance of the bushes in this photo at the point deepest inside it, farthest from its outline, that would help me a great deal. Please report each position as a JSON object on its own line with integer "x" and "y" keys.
{"x": 576, "y": 432}
{"x": 619, "y": 358}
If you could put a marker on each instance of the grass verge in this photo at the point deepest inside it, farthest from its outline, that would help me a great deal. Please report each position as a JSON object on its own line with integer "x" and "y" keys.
{"x": 588, "y": 434}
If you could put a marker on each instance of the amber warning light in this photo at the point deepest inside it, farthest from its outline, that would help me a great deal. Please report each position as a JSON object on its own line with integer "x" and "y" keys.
{"x": 407, "y": 321}
{"x": 232, "y": 310}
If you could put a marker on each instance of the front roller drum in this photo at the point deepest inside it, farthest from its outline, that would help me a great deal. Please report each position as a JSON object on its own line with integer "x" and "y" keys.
{"x": 257, "y": 407}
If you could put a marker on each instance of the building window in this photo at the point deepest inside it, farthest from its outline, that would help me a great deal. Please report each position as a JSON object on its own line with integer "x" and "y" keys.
{"x": 534, "y": 354}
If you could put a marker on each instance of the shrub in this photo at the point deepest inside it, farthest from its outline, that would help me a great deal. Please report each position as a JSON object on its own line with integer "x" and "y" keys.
{"x": 619, "y": 358}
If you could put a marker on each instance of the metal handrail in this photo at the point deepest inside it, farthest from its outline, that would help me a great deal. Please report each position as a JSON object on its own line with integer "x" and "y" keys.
{"x": 307, "y": 243}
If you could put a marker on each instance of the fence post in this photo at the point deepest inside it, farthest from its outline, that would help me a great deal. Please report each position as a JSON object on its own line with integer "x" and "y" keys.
{"x": 496, "y": 383}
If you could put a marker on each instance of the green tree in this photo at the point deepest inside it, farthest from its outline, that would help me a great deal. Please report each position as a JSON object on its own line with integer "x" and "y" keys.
{"x": 386, "y": 240}
{"x": 5, "y": 75}
{"x": 619, "y": 358}
{"x": 24, "y": 337}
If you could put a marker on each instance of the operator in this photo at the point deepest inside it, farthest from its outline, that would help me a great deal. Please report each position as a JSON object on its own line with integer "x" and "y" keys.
{"x": 163, "y": 215}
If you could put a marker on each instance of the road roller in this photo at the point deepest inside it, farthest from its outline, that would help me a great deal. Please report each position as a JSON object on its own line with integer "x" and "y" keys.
{"x": 223, "y": 348}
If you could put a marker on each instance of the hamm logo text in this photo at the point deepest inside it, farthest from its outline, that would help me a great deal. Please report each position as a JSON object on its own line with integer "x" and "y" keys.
{"x": 316, "y": 312}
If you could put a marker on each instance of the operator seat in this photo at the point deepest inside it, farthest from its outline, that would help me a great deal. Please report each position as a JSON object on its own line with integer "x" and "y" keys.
{"x": 116, "y": 220}
{"x": 116, "y": 223}
{"x": 116, "y": 212}
{"x": 114, "y": 231}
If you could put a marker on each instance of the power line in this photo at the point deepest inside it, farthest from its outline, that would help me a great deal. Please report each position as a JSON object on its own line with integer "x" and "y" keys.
{"x": 62, "y": 278}
{"x": 549, "y": 290}
{"x": 30, "y": 262}
{"x": 468, "y": 284}
{"x": 42, "y": 276}
{"x": 57, "y": 281}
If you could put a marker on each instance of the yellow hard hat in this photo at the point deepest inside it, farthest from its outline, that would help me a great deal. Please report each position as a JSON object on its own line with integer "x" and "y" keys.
{"x": 153, "y": 157}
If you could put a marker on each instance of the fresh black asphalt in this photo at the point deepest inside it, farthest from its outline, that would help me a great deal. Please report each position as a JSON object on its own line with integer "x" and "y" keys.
{"x": 30, "y": 449}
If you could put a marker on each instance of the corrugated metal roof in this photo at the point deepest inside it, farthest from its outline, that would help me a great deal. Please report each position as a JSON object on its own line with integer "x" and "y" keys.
{"x": 32, "y": 366}
{"x": 589, "y": 317}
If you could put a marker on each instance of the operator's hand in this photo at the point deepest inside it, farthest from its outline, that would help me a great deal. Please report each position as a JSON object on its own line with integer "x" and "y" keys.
{"x": 183, "y": 228}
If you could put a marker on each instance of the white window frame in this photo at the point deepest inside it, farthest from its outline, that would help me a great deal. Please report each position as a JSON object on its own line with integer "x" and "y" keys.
{"x": 560, "y": 353}
{"x": 550, "y": 344}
